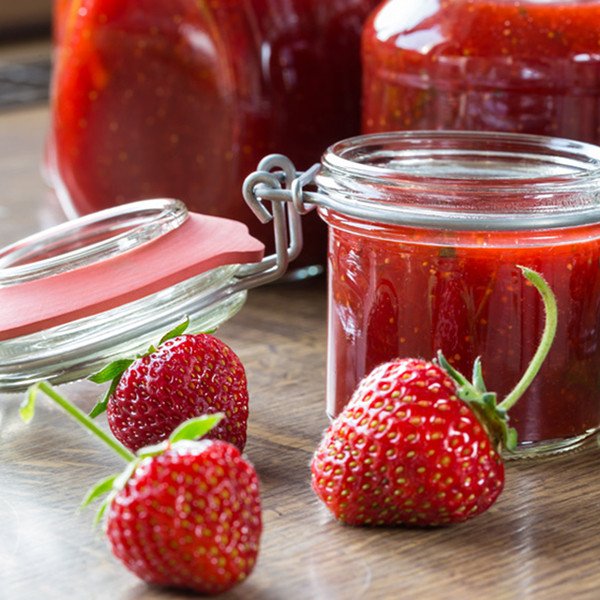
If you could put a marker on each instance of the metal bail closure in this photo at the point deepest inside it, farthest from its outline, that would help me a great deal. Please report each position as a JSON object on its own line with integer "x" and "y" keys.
{"x": 266, "y": 184}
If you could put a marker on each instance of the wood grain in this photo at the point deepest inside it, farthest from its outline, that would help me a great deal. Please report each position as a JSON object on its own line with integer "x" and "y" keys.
{"x": 541, "y": 539}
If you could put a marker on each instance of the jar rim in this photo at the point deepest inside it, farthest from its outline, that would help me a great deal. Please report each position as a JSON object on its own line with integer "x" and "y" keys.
{"x": 89, "y": 239}
{"x": 463, "y": 179}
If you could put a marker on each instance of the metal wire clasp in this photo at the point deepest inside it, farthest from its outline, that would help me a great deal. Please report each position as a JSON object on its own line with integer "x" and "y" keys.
{"x": 277, "y": 181}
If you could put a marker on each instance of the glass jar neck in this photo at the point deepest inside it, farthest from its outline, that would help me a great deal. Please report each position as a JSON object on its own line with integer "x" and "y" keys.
{"x": 463, "y": 180}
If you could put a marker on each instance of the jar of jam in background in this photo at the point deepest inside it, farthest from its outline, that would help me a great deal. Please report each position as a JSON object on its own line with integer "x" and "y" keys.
{"x": 172, "y": 98}
{"x": 427, "y": 230}
{"x": 529, "y": 66}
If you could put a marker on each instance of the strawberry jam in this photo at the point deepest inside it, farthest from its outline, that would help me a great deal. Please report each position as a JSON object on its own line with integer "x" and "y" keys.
{"x": 181, "y": 98}
{"x": 530, "y": 66}
{"x": 426, "y": 258}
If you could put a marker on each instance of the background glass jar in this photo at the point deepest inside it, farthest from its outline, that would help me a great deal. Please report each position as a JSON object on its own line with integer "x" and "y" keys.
{"x": 426, "y": 232}
{"x": 531, "y": 66}
{"x": 181, "y": 98}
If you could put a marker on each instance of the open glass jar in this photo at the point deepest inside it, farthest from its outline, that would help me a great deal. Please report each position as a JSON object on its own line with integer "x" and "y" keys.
{"x": 426, "y": 230}
{"x": 79, "y": 295}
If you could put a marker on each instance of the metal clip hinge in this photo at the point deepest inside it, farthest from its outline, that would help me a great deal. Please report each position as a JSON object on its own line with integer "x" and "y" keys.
{"x": 278, "y": 182}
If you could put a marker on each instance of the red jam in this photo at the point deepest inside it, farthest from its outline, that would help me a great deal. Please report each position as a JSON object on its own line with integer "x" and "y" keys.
{"x": 182, "y": 98}
{"x": 529, "y": 66}
{"x": 407, "y": 291}
{"x": 405, "y": 296}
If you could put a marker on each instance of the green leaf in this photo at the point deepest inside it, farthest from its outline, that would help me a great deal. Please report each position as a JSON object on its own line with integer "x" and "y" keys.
{"x": 101, "y": 488}
{"x": 112, "y": 485}
{"x": 195, "y": 428}
{"x": 102, "y": 510}
{"x": 511, "y": 439}
{"x": 460, "y": 379}
{"x": 466, "y": 390}
{"x": 489, "y": 399}
{"x": 151, "y": 350}
{"x": 101, "y": 405}
{"x": 209, "y": 331}
{"x": 111, "y": 371}
{"x": 152, "y": 450}
{"x": 176, "y": 331}
{"x": 27, "y": 408}
{"x": 478, "y": 376}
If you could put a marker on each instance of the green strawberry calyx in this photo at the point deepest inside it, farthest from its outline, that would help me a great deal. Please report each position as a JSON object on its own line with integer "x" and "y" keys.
{"x": 114, "y": 370}
{"x": 483, "y": 403}
{"x": 494, "y": 415}
{"x": 189, "y": 431}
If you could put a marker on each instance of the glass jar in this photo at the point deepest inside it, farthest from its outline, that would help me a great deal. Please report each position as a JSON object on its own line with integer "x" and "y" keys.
{"x": 81, "y": 294}
{"x": 173, "y": 98}
{"x": 498, "y": 65}
{"x": 426, "y": 232}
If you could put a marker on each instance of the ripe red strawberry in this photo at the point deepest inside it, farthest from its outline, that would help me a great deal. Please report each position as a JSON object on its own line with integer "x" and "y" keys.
{"x": 183, "y": 513}
{"x": 188, "y": 518}
{"x": 406, "y": 449}
{"x": 187, "y": 376}
{"x": 418, "y": 443}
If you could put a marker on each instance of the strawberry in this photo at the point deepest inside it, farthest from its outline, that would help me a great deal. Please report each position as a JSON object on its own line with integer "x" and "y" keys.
{"x": 185, "y": 377}
{"x": 183, "y": 513}
{"x": 406, "y": 449}
{"x": 189, "y": 517}
{"x": 418, "y": 443}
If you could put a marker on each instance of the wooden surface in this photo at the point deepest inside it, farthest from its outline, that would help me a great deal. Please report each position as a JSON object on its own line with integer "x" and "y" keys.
{"x": 541, "y": 539}
{"x": 24, "y": 12}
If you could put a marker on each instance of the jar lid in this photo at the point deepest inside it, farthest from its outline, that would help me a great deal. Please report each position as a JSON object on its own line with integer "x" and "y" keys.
{"x": 80, "y": 294}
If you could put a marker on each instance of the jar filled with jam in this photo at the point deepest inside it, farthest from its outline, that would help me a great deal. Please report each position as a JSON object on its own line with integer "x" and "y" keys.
{"x": 427, "y": 233}
{"x": 530, "y": 66}
{"x": 172, "y": 98}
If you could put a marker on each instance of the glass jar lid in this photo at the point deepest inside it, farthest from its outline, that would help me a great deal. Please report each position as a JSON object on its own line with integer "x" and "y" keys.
{"x": 88, "y": 239}
{"x": 461, "y": 180}
{"x": 78, "y": 295}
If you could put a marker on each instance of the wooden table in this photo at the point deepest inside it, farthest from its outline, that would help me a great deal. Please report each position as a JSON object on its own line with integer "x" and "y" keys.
{"x": 541, "y": 539}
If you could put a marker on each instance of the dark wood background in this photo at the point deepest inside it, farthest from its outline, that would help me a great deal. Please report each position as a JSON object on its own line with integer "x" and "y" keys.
{"x": 540, "y": 540}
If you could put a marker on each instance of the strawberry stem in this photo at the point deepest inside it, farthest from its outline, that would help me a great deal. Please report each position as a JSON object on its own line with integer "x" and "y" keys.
{"x": 545, "y": 343}
{"x": 28, "y": 407}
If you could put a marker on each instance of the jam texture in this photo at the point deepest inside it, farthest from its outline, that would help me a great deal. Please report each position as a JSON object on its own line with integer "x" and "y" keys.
{"x": 182, "y": 98}
{"x": 496, "y": 65}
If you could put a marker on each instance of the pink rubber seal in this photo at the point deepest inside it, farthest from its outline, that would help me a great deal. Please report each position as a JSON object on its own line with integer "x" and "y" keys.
{"x": 56, "y": 295}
